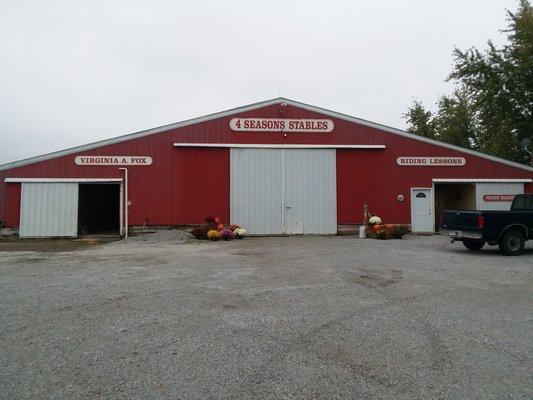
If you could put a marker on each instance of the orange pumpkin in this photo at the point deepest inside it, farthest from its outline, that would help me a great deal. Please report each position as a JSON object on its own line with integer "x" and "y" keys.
{"x": 220, "y": 227}
{"x": 217, "y": 220}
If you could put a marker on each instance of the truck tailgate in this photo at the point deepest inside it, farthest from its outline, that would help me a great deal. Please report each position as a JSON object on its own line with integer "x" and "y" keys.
{"x": 460, "y": 220}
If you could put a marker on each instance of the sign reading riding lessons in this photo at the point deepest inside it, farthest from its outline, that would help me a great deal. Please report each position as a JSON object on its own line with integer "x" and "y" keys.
{"x": 113, "y": 160}
{"x": 431, "y": 161}
{"x": 281, "y": 125}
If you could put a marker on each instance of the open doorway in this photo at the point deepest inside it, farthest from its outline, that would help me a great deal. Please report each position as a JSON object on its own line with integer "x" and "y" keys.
{"x": 99, "y": 209}
{"x": 454, "y": 196}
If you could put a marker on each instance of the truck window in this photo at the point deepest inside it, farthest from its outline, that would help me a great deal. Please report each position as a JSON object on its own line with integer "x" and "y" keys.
{"x": 519, "y": 203}
{"x": 523, "y": 203}
{"x": 529, "y": 203}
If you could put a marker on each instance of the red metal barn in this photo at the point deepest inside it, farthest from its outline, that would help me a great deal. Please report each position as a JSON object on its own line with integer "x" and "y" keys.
{"x": 275, "y": 167}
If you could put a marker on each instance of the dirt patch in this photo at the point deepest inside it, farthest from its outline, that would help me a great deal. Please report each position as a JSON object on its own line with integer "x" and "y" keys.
{"x": 376, "y": 279}
{"x": 170, "y": 236}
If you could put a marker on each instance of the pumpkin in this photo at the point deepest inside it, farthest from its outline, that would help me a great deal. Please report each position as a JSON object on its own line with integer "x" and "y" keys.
{"x": 233, "y": 227}
{"x": 220, "y": 227}
{"x": 213, "y": 234}
{"x": 217, "y": 220}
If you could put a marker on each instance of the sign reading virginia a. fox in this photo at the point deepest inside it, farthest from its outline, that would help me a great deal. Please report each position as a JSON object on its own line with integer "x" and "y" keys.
{"x": 113, "y": 160}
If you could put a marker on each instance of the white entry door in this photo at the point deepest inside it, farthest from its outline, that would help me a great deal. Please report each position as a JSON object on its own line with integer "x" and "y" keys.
{"x": 421, "y": 210}
{"x": 278, "y": 191}
{"x": 49, "y": 210}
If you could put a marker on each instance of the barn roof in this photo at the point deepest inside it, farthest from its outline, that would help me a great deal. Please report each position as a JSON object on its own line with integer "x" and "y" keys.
{"x": 251, "y": 107}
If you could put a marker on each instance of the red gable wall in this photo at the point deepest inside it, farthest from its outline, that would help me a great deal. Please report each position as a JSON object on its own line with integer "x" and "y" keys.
{"x": 183, "y": 185}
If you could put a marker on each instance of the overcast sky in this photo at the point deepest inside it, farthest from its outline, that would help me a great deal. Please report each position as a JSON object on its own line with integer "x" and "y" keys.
{"x": 73, "y": 72}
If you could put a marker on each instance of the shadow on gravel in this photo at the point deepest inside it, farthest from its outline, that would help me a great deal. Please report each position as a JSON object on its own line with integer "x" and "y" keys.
{"x": 492, "y": 251}
{"x": 50, "y": 245}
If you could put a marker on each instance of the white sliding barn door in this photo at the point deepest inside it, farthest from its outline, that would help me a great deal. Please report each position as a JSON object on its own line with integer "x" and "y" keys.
{"x": 310, "y": 191}
{"x": 256, "y": 190}
{"x": 497, "y": 196}
{"x": 49, "y": 210}
{"x": 277, "y": 191}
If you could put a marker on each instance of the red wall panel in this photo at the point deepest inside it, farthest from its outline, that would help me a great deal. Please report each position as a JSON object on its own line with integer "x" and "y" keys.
{"x": 11, "y": 207}
{"x": 3, "y": 175}
{"x": 185, "y": 184}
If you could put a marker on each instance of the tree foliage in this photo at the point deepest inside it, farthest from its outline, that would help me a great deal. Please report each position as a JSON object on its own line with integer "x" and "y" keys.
{"x": 491, "y": 109}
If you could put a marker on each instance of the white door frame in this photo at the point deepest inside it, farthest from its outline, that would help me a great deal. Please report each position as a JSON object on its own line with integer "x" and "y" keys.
{"x": 431, "y": 208}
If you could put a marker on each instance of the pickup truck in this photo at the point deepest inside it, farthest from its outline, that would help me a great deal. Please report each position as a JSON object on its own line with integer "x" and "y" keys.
{"x": 508, "y": 229}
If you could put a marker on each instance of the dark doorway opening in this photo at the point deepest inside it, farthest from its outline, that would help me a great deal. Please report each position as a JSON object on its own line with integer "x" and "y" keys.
{"x": 454, "y": 196}
{"x": 99, "y": 209}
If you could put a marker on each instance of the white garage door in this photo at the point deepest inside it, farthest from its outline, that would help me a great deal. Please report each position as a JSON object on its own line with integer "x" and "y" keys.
{"x": 275, "y": 191}
{"x": 49, "y": 210}
{"x": 497, "y": 195}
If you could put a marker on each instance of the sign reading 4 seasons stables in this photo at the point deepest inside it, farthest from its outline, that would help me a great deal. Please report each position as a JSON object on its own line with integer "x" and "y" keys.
{"x": 281, "y": 125}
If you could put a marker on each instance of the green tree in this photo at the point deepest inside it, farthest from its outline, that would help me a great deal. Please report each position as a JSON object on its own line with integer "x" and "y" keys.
{"x": 492, "y": 109}
{"x": 456, "y": 121}
{"x": 421, "y": 121}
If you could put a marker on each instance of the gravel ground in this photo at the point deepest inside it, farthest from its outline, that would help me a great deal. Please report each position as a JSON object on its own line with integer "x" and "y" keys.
{"x": 299, "y": 317}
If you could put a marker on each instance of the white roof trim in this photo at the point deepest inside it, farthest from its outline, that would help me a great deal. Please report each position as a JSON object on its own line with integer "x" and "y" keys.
{"x": 251, "y": 107}
{"x": 61, "y": 180}
{"x": 283, "y": 146}
{"x": 453, "y": 180}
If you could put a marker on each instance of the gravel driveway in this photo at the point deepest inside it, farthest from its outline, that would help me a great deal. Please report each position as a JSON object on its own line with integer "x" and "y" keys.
{"x": 299, "y": 317}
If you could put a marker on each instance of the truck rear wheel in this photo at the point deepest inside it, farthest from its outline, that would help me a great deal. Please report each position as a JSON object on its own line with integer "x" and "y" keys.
{"x": 473, "y": 244}
{"x": 512, "y": 243}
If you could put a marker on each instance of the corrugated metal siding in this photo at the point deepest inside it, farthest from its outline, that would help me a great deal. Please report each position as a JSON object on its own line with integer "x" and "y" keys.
{"x": 483, "y": 189}
{"x": 310, "y": 191}
{"x": 183, "y": 185}
{"x": 49, "y": 209}
{"x": 256, "y": 190}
